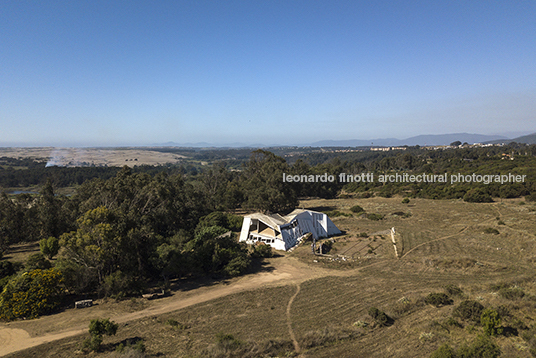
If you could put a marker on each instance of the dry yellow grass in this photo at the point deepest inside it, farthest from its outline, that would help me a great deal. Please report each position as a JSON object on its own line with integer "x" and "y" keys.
{"x": 444, "y": 242}
{"x": 112, "y": 157}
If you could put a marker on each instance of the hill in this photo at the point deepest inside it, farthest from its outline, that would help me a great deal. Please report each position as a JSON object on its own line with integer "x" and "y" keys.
{"x": 431, "y": 139}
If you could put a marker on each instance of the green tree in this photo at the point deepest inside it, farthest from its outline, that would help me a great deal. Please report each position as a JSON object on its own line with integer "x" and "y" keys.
{"x": 491, "y": 321}
{"x": 97, "y": 329}
{"x": 95, "y": 244}
{"x": 49, "y": 247}
{"x": 263, "y": 184}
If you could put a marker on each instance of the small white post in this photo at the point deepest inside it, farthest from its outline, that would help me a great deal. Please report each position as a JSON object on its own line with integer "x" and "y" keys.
{"x": 394, "y": 241}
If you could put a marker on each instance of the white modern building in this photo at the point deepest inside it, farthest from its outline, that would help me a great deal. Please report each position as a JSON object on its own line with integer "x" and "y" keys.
{"x": 284, "y": 232}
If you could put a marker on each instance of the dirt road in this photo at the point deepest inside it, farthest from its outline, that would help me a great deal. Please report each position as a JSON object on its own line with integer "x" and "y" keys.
{"x": 19, "y": 335}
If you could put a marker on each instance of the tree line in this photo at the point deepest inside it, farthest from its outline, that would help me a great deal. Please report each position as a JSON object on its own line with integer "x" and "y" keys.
{"x": 118, "y": 234}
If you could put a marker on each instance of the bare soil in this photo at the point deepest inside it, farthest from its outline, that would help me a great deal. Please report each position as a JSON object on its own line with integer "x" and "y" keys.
{"x": 112, "y": 157}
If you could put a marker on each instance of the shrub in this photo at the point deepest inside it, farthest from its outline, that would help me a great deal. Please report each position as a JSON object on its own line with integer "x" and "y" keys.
{"x": 375, "y": 217}
{"x": 363, "y": 234}
{"x": 262, "y": 250}
{"x": 482, "y": 347}
{"x": 131, "y": 347}
{"x": 6, "y": 269}
{"x": 237, "y": 266}
{"x": 451, "y": 321}
{"x": 357, "y": 209}
{"x": 491, "y": 230}
{"x": 379, "y": 316}
{"x": 117, "y": 285}
{"x": 31, "y": 294}
{"x": 469, "y": 310}
{"x": 176, "y": 324}
{"x": 531, "y": 197}
{"x": 453, "y": 290}
{"x": 511, "y": 293}
{"x": 491, "y": 321}
{"x": 336, "y": 213}
{"x": 37, "y": 261}
{"x": 444, "y": 351}
{"x": 98, "y": 328}
{"x": 477, "y": 196}
{"x": 405, "y": 201}
{"x": 438, "y": 299}
{"x": 227, "y": 341}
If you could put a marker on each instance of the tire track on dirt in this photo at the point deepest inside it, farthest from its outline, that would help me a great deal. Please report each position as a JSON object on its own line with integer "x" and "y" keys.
{"x": 431, "y": 241}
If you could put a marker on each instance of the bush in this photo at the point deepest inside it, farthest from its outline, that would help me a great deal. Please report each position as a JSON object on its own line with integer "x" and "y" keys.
{"x": 453, "y": 290}
{"x": 482, "y": 347}
{"x": 491, "y": 321}
{"x": 451, "y": 321}
{"x": 117, "y": 285}
{"x": 469, "y": 310}
{"x": 357, "y": 209}
{"x": 227, "y": 341}
{"x": 405, "y": 201}
{"x": 37, "y": 261}
{"x": 374, "y": 217}
{"x": 491, "y": 230}
{"x": 6, "y": 269}
{"x": 336, "y": 213}
{"x": 379, "y": 316}
{"x": 531, "y": 197}
{"x": 363, "y": 234}
{"x": 262, "y": 250}
{"x": 31, "y": 294}
{"x": 511, "y": 293}
{"x": 444, "y": 351}
{"x": 98, "y": 328}
{"x": 237, "y": 266}
{"x": 438, "y": 299}
{"x": 477, "y": 196}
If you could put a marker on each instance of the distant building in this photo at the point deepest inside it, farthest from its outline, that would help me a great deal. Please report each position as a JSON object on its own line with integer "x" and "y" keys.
{"x": 284, "y": 232}
{"x": 386, "y": 149}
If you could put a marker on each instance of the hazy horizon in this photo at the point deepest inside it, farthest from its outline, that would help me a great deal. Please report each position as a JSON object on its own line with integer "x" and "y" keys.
{"x": 89, "y": 74}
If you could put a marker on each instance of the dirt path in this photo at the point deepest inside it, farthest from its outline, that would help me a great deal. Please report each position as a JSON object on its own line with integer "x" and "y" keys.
{"x": 289, "y": 320}
{"x": 19, "y": 335}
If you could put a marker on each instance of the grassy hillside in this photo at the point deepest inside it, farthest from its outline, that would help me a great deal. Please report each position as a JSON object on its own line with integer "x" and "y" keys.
{"x": 320, "y": 305}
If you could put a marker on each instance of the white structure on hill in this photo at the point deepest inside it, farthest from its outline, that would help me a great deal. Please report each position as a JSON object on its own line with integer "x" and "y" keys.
{"x": 283, "y": 232}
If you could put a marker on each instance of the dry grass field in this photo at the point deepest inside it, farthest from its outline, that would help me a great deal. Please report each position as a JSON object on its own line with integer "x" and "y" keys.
{"x": 112, "y": 157}
{"x": 317, "y": 306}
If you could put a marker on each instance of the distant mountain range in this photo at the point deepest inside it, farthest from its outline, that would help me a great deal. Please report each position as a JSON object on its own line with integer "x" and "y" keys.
{"x": 430, "y": 139}
{"x": 527, "y": 139}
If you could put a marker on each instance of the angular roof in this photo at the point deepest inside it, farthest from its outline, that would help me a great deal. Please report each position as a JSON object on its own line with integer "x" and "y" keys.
{"x": 275, "y": 219}
{"x": 270, "y": 219}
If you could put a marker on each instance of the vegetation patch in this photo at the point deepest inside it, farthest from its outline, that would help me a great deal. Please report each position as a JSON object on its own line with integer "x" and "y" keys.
{"x": 469, "y": 310}
{"x": 374, "y": 216}
{"x": 491, "y": 230}
{"x": 357, "y": 209}
{"x": 438, "y": 299}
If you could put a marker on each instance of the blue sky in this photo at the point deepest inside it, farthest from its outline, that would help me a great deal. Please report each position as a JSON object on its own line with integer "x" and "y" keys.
{"x": 103, "y": 73}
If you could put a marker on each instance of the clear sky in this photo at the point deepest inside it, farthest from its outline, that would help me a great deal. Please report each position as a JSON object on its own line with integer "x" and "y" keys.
{"x": 103, "y": 73}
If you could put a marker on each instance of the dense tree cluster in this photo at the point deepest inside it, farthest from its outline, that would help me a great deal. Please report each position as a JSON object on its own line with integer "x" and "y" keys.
{"x": 120, "y": 232}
